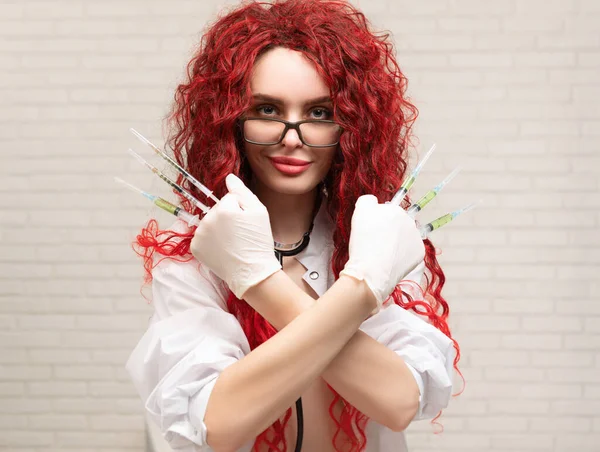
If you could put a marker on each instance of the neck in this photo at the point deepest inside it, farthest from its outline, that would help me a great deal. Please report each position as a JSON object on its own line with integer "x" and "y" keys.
{"x": 290, "y": 214}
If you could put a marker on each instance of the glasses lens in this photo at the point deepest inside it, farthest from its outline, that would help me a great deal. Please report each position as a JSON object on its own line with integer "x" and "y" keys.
{"x": 320, "y": 133}
{"x": 263, "y": 132}
{"x": 314, "y": 133}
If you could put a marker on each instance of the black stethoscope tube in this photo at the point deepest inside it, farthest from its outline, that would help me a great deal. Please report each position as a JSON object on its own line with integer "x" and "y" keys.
{"x": 299, "y": 413}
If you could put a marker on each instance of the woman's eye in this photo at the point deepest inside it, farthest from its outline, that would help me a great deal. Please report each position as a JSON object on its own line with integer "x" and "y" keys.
{"x": 266, "y": 109}
{"x": 321, "y": 113}
{"x": 316, "y": 113}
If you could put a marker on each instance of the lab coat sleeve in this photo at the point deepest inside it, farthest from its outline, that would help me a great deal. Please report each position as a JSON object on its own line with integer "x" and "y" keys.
{"x": 190, "y": 341}
{"x": 428, "y": 353}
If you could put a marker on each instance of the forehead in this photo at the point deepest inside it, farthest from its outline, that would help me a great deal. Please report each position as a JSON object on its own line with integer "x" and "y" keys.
{"x": 286, "y": 74}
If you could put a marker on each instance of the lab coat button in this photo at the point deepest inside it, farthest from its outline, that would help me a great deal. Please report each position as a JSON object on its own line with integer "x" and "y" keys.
{"x": 313, "y": 275}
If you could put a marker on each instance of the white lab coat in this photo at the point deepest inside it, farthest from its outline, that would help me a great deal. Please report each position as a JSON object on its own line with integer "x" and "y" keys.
{"x": 192, "y": 338}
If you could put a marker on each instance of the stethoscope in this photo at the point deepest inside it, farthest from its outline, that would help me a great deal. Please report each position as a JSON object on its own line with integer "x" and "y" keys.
{"x": 280, "y": 253}
{"x": 281, "y": 250}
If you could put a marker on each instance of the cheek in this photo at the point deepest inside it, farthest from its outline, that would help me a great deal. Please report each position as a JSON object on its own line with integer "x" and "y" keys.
{"x": 326, "y": 159}
{"x": 252, "y": 153}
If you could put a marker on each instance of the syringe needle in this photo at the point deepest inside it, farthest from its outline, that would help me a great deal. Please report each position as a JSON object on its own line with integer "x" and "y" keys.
{"x": 408, "y": 183}
{"x": 418, "y": 206}
{"x": 135, "y": 189}
{"x": 188, "y": 176}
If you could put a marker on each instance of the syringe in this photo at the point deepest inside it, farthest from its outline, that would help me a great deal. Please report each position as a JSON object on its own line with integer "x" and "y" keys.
{"x": 416, "y": 207}
{"x": 443, "y": 220}
{"x": 191, "y": 178}
{"x": 191, "y": 220}
{"x": 179, "y": 189}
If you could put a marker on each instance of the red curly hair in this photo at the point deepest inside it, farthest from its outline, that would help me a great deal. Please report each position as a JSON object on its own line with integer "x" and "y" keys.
{"x": 368, "y": 92}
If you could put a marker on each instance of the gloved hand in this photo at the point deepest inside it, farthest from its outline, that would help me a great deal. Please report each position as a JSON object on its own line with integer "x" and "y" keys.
{"x": 385, "y": 245}
{"x": 235, "y": 241}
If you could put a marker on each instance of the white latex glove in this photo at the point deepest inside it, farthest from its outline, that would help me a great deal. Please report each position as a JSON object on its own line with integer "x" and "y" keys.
{"x": 385, "y": 245}
{"x": 234, "y": 239}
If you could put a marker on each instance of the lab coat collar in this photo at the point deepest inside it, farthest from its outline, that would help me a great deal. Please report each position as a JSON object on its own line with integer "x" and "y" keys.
{"x": 316, "y": 257}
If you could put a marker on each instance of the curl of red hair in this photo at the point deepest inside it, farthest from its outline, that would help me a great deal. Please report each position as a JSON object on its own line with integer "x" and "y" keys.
{"x": 369, "y": 94}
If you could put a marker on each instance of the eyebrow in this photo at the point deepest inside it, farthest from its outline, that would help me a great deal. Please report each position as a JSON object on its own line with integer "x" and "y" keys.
{"x": 275, "y": 100}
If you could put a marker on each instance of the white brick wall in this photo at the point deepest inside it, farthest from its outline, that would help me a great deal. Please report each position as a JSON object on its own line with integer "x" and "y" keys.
{"x": 508, "y": 89}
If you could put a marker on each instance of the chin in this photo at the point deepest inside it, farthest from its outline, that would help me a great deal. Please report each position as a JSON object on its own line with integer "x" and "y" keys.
{"x": 292, "y": 186}
{"x": 288, "y": 185}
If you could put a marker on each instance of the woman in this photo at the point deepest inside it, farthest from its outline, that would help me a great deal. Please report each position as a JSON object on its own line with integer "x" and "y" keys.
{"x": 294, "y": 114}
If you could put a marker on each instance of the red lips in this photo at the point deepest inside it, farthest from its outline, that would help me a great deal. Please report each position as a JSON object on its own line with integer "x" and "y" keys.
{"x": 289, "y": 161}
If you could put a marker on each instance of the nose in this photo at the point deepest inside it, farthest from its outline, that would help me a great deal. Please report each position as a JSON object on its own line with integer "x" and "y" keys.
{"x": 291, "y": 139}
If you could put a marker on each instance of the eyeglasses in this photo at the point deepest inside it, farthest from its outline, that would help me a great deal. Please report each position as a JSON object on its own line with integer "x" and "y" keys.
{"x": 316, "y": 133}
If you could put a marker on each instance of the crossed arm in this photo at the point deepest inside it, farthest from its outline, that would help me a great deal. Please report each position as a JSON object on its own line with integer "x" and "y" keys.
{"x": 315, "y": 340}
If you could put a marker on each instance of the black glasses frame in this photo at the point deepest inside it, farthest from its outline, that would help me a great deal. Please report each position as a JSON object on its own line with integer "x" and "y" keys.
{"x": 289, "y": 125}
